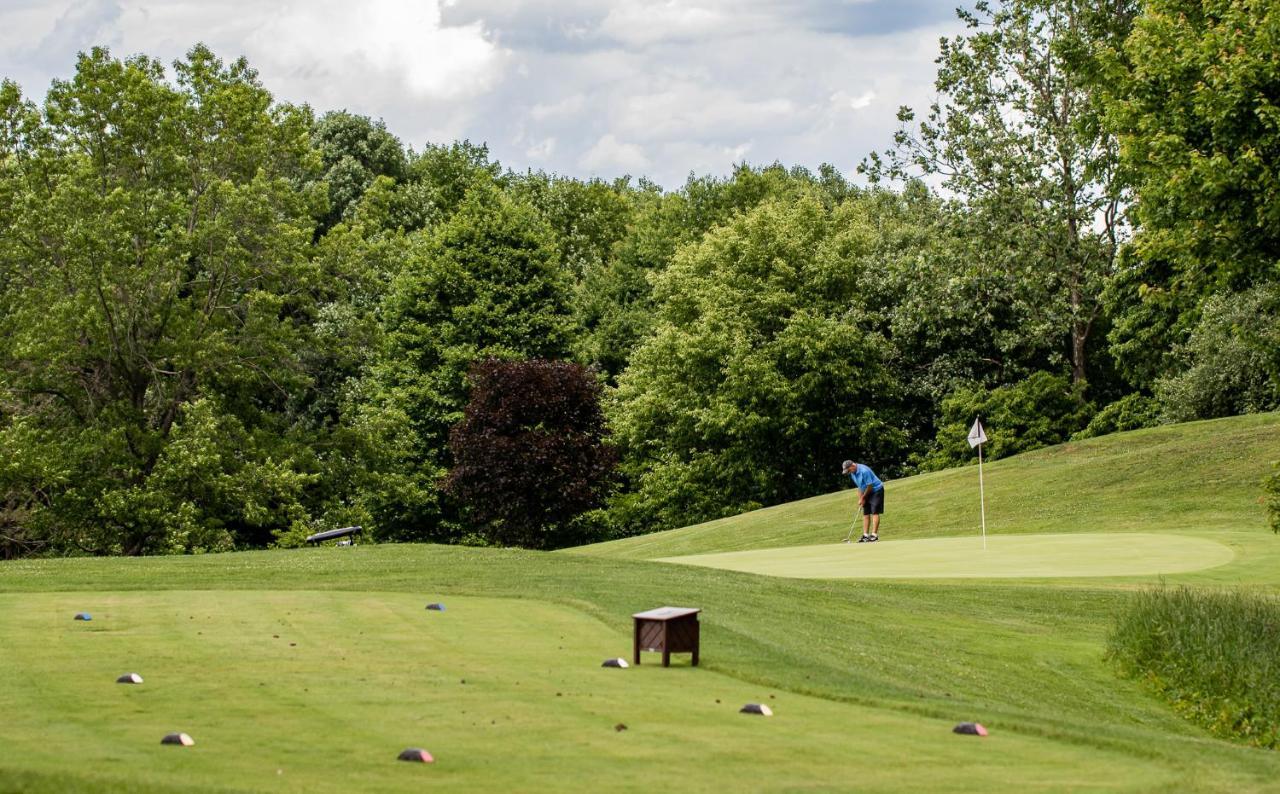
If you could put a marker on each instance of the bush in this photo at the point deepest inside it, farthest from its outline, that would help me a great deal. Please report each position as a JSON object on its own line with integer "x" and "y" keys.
{"x": 1132, "y": 412}
{"x": 1228, "y": 361}
{"x": 529, "y": 454}
{"x": 1215, "y": 656}
{"x": 1039, "y": 411}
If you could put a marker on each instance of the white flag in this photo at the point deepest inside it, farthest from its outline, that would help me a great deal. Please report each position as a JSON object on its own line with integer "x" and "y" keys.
{"x": 976, "y": 434}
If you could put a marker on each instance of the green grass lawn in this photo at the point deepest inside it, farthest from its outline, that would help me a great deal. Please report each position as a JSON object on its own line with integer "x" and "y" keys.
{"x": 318, "y": 691}
{"x": 866, "y": 676}
{"x": 1200, "y": 476}
{"x": 1002, "y": 557}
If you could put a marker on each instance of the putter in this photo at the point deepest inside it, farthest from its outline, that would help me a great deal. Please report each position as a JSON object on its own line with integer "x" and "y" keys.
{"x": 849, "y": 538}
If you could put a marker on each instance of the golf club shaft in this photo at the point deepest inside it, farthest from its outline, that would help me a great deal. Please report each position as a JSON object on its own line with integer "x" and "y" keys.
{"x": 849, "y": 537}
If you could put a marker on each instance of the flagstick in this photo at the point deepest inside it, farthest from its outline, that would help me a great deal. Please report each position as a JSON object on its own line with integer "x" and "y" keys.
{"x": 982, "y": 499}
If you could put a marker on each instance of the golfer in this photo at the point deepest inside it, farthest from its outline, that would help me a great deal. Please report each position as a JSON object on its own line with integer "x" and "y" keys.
{"x": 870, "y": 498}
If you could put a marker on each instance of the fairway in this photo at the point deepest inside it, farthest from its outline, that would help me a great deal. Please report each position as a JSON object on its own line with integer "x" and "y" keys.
{"x": 311, "y": 669}
{"x": 1005, "y": 557}
{"x": 307, "y": 691}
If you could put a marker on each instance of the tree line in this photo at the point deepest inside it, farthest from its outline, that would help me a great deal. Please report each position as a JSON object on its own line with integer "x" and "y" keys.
{"x": 227, "y": 322}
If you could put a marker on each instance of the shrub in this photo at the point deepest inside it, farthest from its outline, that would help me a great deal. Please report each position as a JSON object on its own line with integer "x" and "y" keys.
{"x": 1131, "y": 412}
{"x": 529, "y": 453}
{"x": 1228, "y": 361}
{"x": 1041, "y": 410}
{"x": 1214, "y": 655}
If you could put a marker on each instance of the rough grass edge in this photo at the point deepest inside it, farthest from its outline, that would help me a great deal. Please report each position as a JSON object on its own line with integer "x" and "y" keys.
{"x": 1214, "y": 655}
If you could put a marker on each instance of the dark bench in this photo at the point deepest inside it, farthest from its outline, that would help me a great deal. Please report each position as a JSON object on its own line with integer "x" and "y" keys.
{"x": 320, "y": 537}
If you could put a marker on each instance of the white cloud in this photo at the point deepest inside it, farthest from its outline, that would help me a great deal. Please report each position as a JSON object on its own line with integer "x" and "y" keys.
{"x": 612, "y": 156}
{"x": 389, "y": 40}
{"x": 568, "y": 107}
{"x": 639, "y": 23}
{"x": 699, "y": 111}
{"x": 862, "y": 100}
{"x": 579, "y": 87}
{"x": 542, "y": 150}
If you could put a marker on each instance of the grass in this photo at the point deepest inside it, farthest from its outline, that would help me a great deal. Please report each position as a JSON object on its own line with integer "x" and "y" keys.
{"x": 318, "y": 691}
{"x": 1200, "y": 476}
{"x": 1005, "y": 556}
{"x": 1214, "y": 655}
{"x": 867, "y": 676}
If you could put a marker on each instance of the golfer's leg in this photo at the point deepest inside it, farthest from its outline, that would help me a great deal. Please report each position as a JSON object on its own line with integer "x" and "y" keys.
{"x": 875, "y": 524}
{"x": 866, "y": 519}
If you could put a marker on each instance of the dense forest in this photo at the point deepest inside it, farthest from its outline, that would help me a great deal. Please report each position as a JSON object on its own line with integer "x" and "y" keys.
{"x": 227, "y": 322}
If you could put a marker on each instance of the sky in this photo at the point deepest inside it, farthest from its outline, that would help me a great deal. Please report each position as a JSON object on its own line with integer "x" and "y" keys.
{"x": 586, "y": 88}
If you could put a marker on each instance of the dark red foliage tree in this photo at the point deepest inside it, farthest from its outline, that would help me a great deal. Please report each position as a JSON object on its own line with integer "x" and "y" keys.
{"x": 529, "y": 454}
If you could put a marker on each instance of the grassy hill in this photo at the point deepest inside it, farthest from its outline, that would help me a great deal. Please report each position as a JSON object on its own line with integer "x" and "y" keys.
{"x": 310, "y": 669}
{"x": 1200, "y": 476}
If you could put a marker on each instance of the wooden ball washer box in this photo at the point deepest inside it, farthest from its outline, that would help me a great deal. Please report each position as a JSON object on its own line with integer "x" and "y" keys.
{"x": 667, "y": 630}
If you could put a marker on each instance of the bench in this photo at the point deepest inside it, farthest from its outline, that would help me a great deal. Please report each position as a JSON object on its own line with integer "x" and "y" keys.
{"x": 330, "y": 534}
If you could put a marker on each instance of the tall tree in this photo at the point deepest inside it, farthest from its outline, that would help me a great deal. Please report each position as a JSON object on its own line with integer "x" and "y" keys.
{"x": 529, "y": 458}
{"x": 763, "y": 370}
{"x": 951, "y": 324}
{"x": 440, "y": 178}
{"x": 1017, "y": 136}
{"x": 156, "y": 271}
{"x": 587, "y": 218}
{"x": 613, "y": 300}
{"x": 485, "y": 283}
{"x": 354, "y": 151}
{"x": 1193, "y": 98}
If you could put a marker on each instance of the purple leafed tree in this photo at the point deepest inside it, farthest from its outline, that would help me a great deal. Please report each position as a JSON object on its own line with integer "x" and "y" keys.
{"x": 529, "y": 454}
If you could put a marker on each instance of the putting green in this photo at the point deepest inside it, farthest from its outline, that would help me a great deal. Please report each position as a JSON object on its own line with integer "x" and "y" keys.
{"x": 1005, "y": 556}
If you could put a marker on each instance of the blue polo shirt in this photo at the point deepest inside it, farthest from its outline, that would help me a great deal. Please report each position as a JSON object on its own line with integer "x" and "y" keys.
{"x": 863, "y": 476}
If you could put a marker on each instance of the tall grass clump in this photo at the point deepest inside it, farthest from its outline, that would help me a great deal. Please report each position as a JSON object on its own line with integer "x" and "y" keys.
{"x": 1214, "y": 655}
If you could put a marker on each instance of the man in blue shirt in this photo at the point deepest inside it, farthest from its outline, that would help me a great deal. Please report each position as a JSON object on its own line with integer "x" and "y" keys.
{"x": 870, "y": 498}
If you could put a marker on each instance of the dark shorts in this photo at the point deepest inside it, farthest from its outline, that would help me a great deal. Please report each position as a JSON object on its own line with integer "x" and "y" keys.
{"x": 874, "y": 503}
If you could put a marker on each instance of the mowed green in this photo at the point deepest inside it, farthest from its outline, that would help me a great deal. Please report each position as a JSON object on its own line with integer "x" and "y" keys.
{"x": 999, "y": 557}
{"x": 1201, "y": 477}
{"x": 866, "y": 675}
{"x": 318, "y": 691}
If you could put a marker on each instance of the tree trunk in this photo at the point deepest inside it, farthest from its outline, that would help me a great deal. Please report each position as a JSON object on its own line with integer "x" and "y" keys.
{"x": 1079, "y": 338}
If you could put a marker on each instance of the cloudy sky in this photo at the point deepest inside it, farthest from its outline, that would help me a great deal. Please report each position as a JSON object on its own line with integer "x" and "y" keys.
{"x": 582, "y": 87}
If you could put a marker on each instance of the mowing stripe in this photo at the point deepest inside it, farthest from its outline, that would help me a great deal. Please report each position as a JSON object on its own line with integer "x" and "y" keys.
{"x": 320, "y": 691}
{"x": 1010, "y": 556}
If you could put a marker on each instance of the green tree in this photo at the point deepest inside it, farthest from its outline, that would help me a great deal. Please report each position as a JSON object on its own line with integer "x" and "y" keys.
{"x": 1131, "y": 412}
{"x": 613, "y": 300}
{"x": 951, "y": 322}
{"x": 1192, "y": 99}
{"x": 155, "y": 269}
{"x": 354, "y": 151}
{"x": 485, "y": 283}
{"x": 1016, "y": 134}
{"x": 761, "y": 374}
{"x": 440, "y": 178}
{"x": 1041, "y": 410}
{"x": 587, "y": 218}
{"x": 1223, "y": 366}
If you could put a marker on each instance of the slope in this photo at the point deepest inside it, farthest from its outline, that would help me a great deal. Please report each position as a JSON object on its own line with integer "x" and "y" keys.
{"x": 1200, "y": 476}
